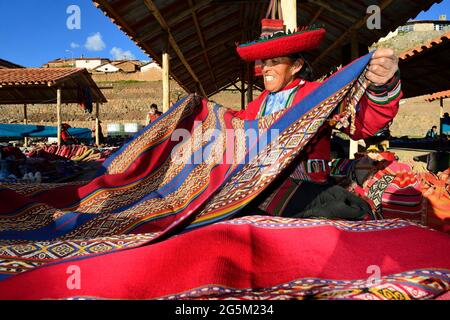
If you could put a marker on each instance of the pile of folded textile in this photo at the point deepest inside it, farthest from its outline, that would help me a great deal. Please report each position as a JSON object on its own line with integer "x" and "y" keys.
{"x": 71, "y": 152}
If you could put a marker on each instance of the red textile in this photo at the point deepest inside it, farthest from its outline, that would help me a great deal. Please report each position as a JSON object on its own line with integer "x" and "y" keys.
{"x": 370, "y": 118}
{"x": 272, "y": 251}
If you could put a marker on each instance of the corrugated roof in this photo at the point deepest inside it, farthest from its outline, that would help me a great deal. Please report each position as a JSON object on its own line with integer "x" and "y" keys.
{"x": 425, "y": 68}
{"x": 202, "y": 33}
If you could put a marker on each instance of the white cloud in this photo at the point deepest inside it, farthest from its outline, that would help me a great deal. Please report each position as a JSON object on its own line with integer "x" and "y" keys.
{"x": 95, "y": 42}
{"x": 74, "y": 45}
{"x": 119, "y": 54}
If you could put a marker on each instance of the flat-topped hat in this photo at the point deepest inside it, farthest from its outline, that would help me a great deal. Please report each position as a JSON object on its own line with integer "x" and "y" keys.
{"x": 281, "y": 43}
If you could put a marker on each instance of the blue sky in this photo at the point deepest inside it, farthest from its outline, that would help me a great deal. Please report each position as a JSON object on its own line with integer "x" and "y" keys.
{"x": 435, "y": 11}
{"x": 32, "y": 32}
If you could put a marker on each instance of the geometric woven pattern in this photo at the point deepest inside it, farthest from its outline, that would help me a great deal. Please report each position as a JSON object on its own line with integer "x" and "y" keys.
{"x": 411, "y": 285}
{"x": 253, "y": 258}
{"x": 158, "y": 184}
{"x": 19, "y": 258}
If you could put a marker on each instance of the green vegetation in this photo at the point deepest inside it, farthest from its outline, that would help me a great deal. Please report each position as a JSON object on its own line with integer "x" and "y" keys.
{"x": 407, "y": 40}
{"x": 128, "y": 81}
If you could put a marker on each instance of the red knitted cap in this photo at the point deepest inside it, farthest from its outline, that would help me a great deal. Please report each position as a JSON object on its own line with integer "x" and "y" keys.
{"x": 281, "y": 44}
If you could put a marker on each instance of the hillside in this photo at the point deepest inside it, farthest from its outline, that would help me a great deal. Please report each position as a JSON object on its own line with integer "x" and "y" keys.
{"x": 409, "y": 40}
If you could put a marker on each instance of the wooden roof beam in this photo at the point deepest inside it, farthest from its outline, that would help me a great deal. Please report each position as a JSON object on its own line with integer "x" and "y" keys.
{"x": 122, "y": 24}
{"x": 329, "y": 8}
{"x": 325, "y": 20}
{"x": 383, "y": 5}
{"x": 316, "y": 16}
{"x": 224, "y": 67}
{"x": 222, "y": 71}
{"x": 221, "y": 41}
{"x": 202, "y": 42}
{"x": 221, "y": 58}
{"x": 183, "y": 15}
{"x": 151, "y": 34}
{"x": 157, "y": 14}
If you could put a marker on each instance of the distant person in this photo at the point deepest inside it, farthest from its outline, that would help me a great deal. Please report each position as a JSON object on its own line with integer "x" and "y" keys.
{"x": 153, "y": 114}
{"x": 432, "y": 133}
{"x": 66, "y": 137}
{"x": 445, "y": 125}
{"x": 446, "y": 119}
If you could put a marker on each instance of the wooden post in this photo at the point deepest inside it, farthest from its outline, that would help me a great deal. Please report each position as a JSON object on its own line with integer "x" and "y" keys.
{"x": 166, "y": 81}
{"x": 242, "y": 88}
{"x": 354, "y": 55}
{"x": 441, "y": 118}
{"x": 250, "y": 70}
{"x": 25, "y": 121}
{"x": 58, "y": 115}
{"x": 289, "y": 10}
{"x": 97, "y": 124}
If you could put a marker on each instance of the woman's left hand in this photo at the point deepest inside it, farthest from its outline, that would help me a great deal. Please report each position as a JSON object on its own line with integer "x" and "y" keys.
{"x": 382, "y": 67}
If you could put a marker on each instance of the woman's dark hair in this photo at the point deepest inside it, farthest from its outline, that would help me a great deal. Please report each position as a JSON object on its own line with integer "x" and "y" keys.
{"x": 306, "y": 72}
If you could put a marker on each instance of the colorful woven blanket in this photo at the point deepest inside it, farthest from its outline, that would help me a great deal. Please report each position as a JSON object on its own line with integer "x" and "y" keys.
{"x": 194, "y": 166}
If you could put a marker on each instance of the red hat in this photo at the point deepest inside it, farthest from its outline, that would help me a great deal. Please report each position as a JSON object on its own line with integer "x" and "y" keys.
{"x": 282, "y": 44}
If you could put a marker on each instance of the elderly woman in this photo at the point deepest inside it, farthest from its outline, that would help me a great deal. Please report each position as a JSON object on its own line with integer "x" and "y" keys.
{"x": 306, "y": 192}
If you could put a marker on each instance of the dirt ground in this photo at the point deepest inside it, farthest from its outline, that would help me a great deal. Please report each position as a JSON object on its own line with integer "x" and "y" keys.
{"x": 416, "y": 116}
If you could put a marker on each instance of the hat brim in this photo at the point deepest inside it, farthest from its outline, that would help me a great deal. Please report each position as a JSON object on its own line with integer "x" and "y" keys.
{"x": 281, "y": 46}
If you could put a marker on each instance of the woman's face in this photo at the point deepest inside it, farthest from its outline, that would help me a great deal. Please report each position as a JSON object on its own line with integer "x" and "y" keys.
{"x": 279, "y": 72}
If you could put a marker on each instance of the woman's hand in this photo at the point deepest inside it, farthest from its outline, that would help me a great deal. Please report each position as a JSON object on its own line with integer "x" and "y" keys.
{"x": 382, "y": 67}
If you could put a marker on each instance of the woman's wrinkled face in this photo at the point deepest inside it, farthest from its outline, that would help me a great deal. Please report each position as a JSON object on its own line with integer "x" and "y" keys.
{"x": 279, "y": 72}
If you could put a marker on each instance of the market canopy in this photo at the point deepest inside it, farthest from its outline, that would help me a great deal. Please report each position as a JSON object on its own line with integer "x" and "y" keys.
{"x": 425, "y": 68}
{"x": 39, "y": 85}
{"x": 201, "y": 35}
{"x": 21, "y": 130}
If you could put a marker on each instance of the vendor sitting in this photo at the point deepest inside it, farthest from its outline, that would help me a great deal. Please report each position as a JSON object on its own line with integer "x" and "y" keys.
{"x": 66, "y": 137}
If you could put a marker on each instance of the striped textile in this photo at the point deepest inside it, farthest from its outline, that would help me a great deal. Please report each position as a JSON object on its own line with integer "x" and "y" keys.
{"x": 118, "y": 229}
{"x": 385, "y": 94}
{"x": 192, "y": 167}
{"x": 396, "y": 192}
{"x": 341, "y": 167}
